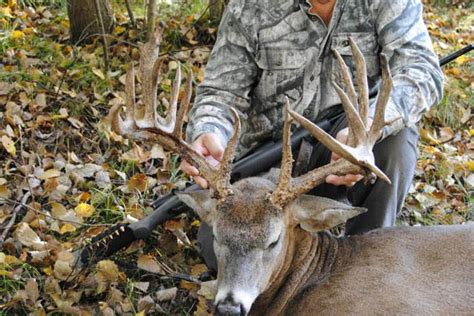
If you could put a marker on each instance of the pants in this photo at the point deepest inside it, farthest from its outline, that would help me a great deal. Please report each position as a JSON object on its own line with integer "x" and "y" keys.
{"x": 395, "y": 156}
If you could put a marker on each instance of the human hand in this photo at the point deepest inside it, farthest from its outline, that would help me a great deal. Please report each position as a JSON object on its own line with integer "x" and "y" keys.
{"x": 348, "y": 180}
{"x": 209, "y": 146}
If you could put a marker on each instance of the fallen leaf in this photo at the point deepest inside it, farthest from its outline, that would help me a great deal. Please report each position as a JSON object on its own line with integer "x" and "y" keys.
{"x": 148, "y": 263}
{"x": 62, "y": 270}
{"x": 138, "y": 182}
{"x": 28, "y": 237}
{"x": 84, "y": 210}
{"x": 51, "y": 173}
{"x": 166, "y": 295}
{"x": 108, "y": 269}
{"x": 67, "y": 228}
{"x": 98, "y": 73}
{"x": 32, "y": 290}
{"x": 9, "y": 145}
{"x": 4, "y": 192}
{"x": 208, "y": 289}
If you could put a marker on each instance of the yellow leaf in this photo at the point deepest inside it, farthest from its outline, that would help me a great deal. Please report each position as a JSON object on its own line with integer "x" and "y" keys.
{"x": 12, "y": 3}
{"x": 119, "y": 29}
{"x": 9, "y": 145}
{"x": 142, "y": 313}
{"x": 84, "y": 210}
{"x": 48, "y": 271}
{"x": 428, "y": 137}
{"x": 17, "y": 34}
{"x": 5, "y": 11}
{"x": 461, "y": 60}
{"x": 51, "y": 173}
{"x": 67, "y": 228}
{"x": 471, "y": 132}
{"x": 57, "y": 209}
{"x": 470, "y": 165}
{"x": 98, "y": 73}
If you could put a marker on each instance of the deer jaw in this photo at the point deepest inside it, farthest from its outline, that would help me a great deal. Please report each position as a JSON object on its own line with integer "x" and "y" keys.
{"x": 252, "y": 236}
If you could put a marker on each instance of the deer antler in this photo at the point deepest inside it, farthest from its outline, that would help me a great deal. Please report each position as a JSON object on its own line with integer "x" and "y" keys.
{"x": 144, "y": 123}
{"x": 357, "y": 154}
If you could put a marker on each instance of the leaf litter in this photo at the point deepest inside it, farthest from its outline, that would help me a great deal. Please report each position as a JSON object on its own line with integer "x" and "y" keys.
{"x": 80, "y": 177}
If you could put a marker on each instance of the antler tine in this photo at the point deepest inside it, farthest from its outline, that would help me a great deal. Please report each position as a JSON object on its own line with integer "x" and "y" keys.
{"x": 130, "y": 94}
{"x": 171, "y": 121}
{"x": 150, "y": 71}
{"x": 178, "y": 127}
{"x": 356, "y": 160}
{"x": 347, "y": 78}
{"x": 222, "y": 178}
{"x": 128, "y": 126}
{"x": 361, "y": 77}
{"x": 356, "y": 125}
{"x": 382, "y": 101}
{"x": 282, "y": 194}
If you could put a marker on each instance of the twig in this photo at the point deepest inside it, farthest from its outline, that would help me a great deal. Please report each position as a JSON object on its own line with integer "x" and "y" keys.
{"x": 130, "y": 13}
{"x": 151, "y": 17}
{"x": 51, "y": 216}
{"x": 15, "y": 212}
{"x": 197, "y": 21}
{"x": 104, "y": 38}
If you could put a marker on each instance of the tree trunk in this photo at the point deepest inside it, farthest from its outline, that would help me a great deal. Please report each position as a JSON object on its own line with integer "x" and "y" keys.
{"x": 216, "y": 9}
{"x": 83, "y": 18}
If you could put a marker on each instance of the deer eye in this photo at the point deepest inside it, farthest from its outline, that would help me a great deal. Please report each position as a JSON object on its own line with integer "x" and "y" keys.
{"x": 273, "y": 244}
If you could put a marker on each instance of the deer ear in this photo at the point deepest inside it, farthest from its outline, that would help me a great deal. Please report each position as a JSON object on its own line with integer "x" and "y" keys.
{"x": 201, "y": 203}
{"x": 315, "y": 213}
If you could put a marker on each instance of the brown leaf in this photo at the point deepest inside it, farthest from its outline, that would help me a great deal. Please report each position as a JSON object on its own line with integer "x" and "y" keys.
{"x": 166, "y": 295}
{"x": 31, "y": 289}
{"x": 138, "y": 182}
{"x": 148, "y": 263}
{"x": 28, "y": 237}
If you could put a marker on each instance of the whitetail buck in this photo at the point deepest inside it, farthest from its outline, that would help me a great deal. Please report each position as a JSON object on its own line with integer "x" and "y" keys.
{"x": 274, "y": 253}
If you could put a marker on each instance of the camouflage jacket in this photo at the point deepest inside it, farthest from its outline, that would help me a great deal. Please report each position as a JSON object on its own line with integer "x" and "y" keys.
{"x": 269, "y": 49}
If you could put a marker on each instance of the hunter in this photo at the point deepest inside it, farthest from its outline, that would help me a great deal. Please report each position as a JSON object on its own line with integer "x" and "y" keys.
{"x": 267, "y": 50}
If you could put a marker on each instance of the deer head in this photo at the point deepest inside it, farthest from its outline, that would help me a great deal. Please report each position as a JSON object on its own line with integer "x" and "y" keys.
{"x": 255, "y": 220}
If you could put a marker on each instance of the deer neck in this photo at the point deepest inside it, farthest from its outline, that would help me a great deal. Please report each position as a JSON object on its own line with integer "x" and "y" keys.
{"x": 310, "y": 260}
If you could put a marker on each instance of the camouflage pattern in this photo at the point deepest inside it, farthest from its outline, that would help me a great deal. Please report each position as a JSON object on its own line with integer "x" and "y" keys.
{"x": 267, "y": 50}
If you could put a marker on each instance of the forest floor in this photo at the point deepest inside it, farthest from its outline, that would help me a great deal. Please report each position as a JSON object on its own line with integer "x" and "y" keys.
{"x": 65, "y": 177}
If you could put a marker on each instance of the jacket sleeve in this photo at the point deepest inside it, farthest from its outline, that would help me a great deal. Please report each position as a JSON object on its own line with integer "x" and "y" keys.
{"x": 230, "y": 74}
{"x": 417, "y": 77}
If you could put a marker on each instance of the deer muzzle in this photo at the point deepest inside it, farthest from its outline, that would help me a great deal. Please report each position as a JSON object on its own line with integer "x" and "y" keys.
{"x": 229, "y": 307}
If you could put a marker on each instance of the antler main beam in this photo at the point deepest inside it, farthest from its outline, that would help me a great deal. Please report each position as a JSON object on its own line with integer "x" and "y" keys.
{"x": 142, "y": 121}
{"x": 357, "y": 155}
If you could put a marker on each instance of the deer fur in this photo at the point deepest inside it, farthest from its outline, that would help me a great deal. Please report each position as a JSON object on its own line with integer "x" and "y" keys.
{"x": 402, "y": 270}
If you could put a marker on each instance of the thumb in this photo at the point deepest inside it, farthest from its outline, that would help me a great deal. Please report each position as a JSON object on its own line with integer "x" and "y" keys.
{"x": 214, "y": 146}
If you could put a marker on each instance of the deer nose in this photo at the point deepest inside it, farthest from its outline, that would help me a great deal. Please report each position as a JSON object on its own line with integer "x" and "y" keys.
{"x": 224, "y": 309}
{"x": 229, "y": 307}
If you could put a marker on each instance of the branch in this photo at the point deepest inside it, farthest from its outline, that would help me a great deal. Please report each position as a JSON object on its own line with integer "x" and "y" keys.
{"x": 104, "y": 38}
{"x": 15, "y": 212}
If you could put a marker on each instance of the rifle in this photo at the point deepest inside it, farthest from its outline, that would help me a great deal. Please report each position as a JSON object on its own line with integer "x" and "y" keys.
{"x": 169, "y": 206}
